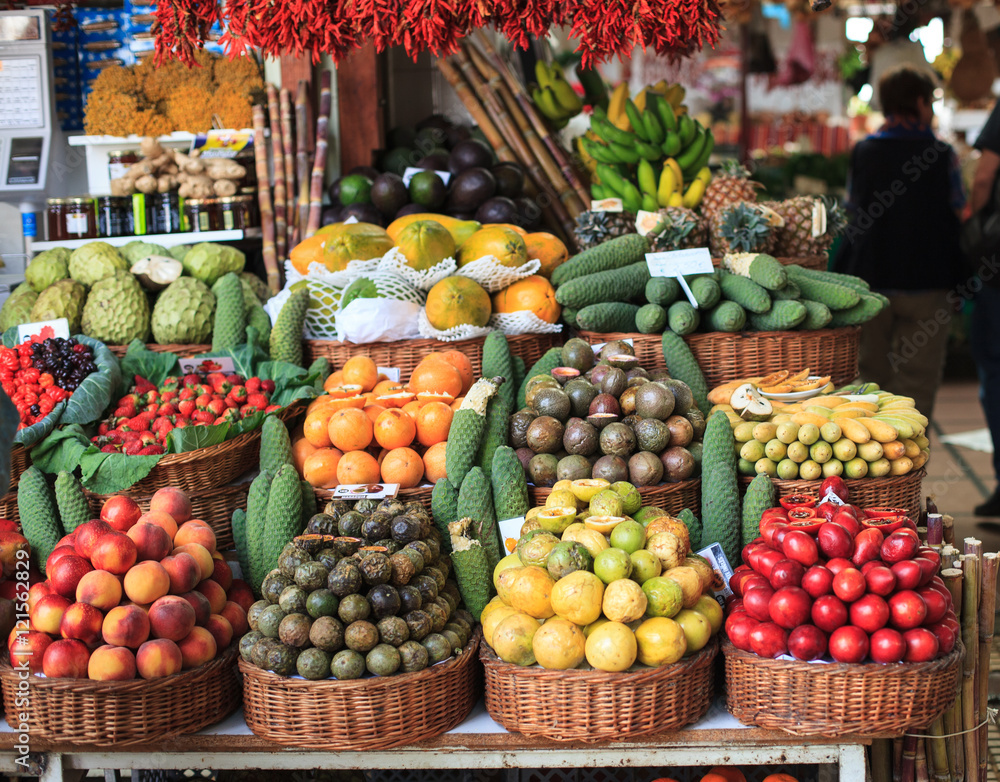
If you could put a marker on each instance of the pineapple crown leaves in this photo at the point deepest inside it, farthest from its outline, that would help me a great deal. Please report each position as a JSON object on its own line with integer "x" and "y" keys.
{"x": 676, "y": 224}
{"x": 836, "y": 218}
{"x": 733, "y": 168}
{"x": 745, "y": 227}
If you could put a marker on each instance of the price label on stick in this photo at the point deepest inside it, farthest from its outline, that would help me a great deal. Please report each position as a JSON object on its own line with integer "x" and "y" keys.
{"x": 56, "y": 329}
{"x": 510, "y": 532}
{"x": 722, "y": 571}
{"x": 679, "y": 263}
{"x": 391, "y": 373}
{"x": 607, "y": 205}
{"x": 365, "y": 491}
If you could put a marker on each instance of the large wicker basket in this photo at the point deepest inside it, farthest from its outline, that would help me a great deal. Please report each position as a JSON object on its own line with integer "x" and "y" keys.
{"x": 817, "y": 262}
{"x": 899, "y": 491}
{"x": 202, "y": 469}
{"x": 839, "y": 699}
{"x": 213, "y": 506}
{"x": 182, "y": 351}
{"x": 724, "y": 357}
{"x": 671, "y": 497}
{"x": 598, "y": 706}
{"x": 114, "y": 714}
{"x": 363, "y": 714}
{"x": 20, "y": 461}
{"x": 8, "y": 507}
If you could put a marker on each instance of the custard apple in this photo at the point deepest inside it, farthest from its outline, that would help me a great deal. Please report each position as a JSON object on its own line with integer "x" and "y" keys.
{"x": 95, "y": 261}
{"x": 178, "y": 251}
{"x": 17, "y": 308}
{"x": 117, "y": 310}
{"x": 135, "y": 250}
{"x": 183, "y": 313}
{"x": 208, "y": 261}
{"x": 64, "y": 299}
{"x": 47, "y": 268}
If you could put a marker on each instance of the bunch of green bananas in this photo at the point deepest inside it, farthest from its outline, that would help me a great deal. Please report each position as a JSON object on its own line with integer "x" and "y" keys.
{"x": 675, "y": 144}
{"x": 553, "y": 96}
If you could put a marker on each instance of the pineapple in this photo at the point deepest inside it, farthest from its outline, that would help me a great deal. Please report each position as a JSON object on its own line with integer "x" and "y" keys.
{"x": 811, "y": 224}
{"x": 743, "y": 228}
{"x": 593, "y": 228}
{"x": 679, "y": 228}
{"x": 729, "y": 186}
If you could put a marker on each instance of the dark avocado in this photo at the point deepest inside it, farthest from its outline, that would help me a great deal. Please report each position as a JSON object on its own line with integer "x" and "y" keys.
{"x": 578, "y": 354}
{"x": 497, "y": 210}
{"x": 651, "y": 434}
{"x": 389, "y": 194}
{"x": 471, "y": 153}
{"x": 510, "y": 179}
{"x": 471, "y": 188}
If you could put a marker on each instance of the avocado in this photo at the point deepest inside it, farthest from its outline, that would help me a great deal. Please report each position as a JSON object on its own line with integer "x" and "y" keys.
{"x": 545, "y": 435}
{"x": 389, "y": 194}
{"x": 510, "y": 179}
{"x": 398, "y": 159}
{"x": 354, "y": 189}
{"x": 471, "y": 153}
{"x": 471, "y": 188}
{"x": 363, "y": 213}
{"x": 497, "y": 210}
{"x": 581, "y": 393}
{"x": 652, "y": 434}
{"x": 428, "y": 189}
{"x": 518, "y": 429}
{"x": 528, "y": 214}
{"x": 611, "y": 469}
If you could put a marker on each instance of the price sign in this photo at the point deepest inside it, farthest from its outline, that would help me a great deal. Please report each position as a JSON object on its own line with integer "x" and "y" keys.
{"x": 391, "y": 373}
{"x": 722, "y": 571}
{"x": 58, "y": 328}
{"x": 410, "y": 172}
{"x": 597, "y": 348}
{"x": 510, "y": 533}
{"x": 678, "y": 263}
{"x": 203, "y": 366}
{"x": 607, "y": 205}
{"x": 365, "y": 491}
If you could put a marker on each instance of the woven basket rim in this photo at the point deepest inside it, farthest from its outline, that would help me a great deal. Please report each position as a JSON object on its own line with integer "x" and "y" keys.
{"x": 884, "y": 480}
{"x": 801, "y": 667}
{"x": 725, "y": 335}
{"x": 229, "y": 488}
{"x": 701, "y": 658}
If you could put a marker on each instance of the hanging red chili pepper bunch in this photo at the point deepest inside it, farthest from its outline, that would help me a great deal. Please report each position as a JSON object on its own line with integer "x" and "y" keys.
{"x": 435, "y": 26}
{"x": 678, "y": 27}
{"x": 240, "y": 28}
{"x": 605, "y": 28}
{"x": 291, "y": 27}
{"x": 379, "y": 20}
{"x": 183, "y": 28}
{"x": 519, "y": 19}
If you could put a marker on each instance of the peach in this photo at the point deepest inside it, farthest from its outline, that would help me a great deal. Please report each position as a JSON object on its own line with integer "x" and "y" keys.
{"x": 222, "y": 574}
{"x": 58, "y": 553}
{"x": 11, "y": 544}
{"x": 197, "y": 648}
{"x": 195, "y": 532}
{"x": 159, "y": 658}
{"x": 66, "y": 573}
{"x": 111, "y": 664}
{"x": 82, "y": 622}
{"x": 160, "y": 519}
{"x": 66, "y": 659}
{"x": 172, "y": 501}
{"x": 202, "y": 608}
{"x": 151, "y": 542}
{"x": 121, "y": 512}
{"x": 87, "y": 535}
{"x": 241, "y": 594}
{"x": 220, "y": 629}
{"x": 171, "y": 617}
{"x": 201, "y": 555}
{"x": 38, "y": 591}
{"x": 27, "y": 649}
{"x": 100, "y": 589}
{"x": 114, "y": 552}
{"x": 183, "y": 570}
{"x": 215, "y": 593}
{"x": 126, "y": 626}
{"x": 237, "y": 617}
{"x": 67, "y": 540}
{"x": 47, "y": 614}
{"x": 146, "y": 582}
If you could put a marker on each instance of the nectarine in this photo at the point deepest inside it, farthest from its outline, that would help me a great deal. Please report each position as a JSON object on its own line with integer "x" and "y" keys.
{"x": 197, "y": 648}
{"x": 82, "y": 622}
{"x": 151, "y": 542}
{"x": 121, "y": 512}
{"x": 111, "y": 664}
{"x": 66, "y": 659}
{"x": 158, "y": 658}
{"x": 172, "y": 501}
{"x": 171, "y": 617}
{"x": 100, "y": 589}
{"x": 126, "y": 626}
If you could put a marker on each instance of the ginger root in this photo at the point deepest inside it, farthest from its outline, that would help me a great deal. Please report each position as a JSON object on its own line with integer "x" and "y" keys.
{"x": 122, "y": 186}
{"x": 150, "y": 147}
{"x": 225, "y": 169}
{"x": 224, "y": 187}
{"x": 146, "y": 184}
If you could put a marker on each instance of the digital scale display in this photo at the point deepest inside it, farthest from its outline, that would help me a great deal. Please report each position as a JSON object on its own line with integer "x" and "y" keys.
{"x": 22, "y": 103}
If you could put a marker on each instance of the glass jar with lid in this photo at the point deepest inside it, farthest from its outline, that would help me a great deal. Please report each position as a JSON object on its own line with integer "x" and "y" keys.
{"x": 163, "y": 213}
{"x": 55, "y": 219}
{"x": 114, "y": 216}
{"x": 119, "y": 162}
{"x": 202, "y": 214}
{"x": 238, "y": 212}
{"x": 80, "y": 218}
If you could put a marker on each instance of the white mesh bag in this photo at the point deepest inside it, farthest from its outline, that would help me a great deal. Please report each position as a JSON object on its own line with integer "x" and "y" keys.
{"x": 523, "y": 322}
{"x": 394, "y": 262}
{"x": 494, "y": 276}
{"x": 454, "y": 334}
{"x": 324, "y": 301}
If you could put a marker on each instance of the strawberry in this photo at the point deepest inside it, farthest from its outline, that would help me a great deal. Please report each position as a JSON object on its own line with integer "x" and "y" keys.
{"x": 124, "y": 412}
{"x": 168, "y": 396}
{"x": 204, "y": 388}
{"x": 192, "y": 381}
{"x": 115, "y": 437}
{"x": 252, "y": 385}
{"x": 236, "y": 380}
{"x": 238, "y": 394}
{"x": 186, "y": 393}
{"x": 102, "y": 429}
{"x": 109, "y": 448}
{"x": 129, "y": 437}
{"x": 147, "y": 438}
{"x": 150, "y": 395}
{"x": 203, "y": 417}
{"x": 231, "y": 415}
{"x": 267, "y": 386}
{"x": 203, "y": 401}
{"x": 248, "y": 410}
{"x": 152, "y": 407}
{"x": 133, "y": 448}
{"x": 142, "y": 385}
{"x": 232, "y": 403}
{"x": 186, "y": 407}
{"x": 214, "y": 377}
{"x": 151, "y": 450}
{"x": 182, "y": 423}
{"x": 257, "y": 400}
{"x": 272, "y": 408}
{"x": 172, "y": 382}
{"x": 217, "y": 406}
{"x": 167, "y": 409}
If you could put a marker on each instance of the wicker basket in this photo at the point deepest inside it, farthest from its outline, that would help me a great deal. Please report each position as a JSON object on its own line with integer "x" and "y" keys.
{"x": 596, "y": 706}
{"x": 724, "y": 357}
{"x": 421, "y": 494}
{"x": 182, "y": 351}
{"x": 838, "y": 699}
{"x": 817, "y": 262}
{"x": 114, "y": 714}
{"x": 364, "y": 714}
{"x": 900, "y": 491}
{"x": 202, "y": 469}
{"x": 8, "y": 507}
{"x": 213, "y": 506}
{"x": 20, "y": 460}
{"x": 671, "y": 497}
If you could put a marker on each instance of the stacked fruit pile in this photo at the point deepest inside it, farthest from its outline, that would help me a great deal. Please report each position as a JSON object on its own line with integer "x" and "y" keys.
{"x": 140, "y": 290}
{"x": 128, "y": 594}
{"x": 38, "y": 374}
{"x": 597, "y": 577}
{"x": 606, "y": 417}
{"x": 366, "y": 589}
{"x": 874, "y": 434}
{"x": 836, "y": 580}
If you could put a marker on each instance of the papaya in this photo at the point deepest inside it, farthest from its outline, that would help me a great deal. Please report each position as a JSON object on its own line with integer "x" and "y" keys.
{"x": 455, "y": 301}
{"x": 460, "y": 230}
{"x": 337, "y": 244}
{"x": 548, "y": 249}
{"x": 507, "y": 246}
{"x": 425, "y": 243}
{"x": 534, "y": 293}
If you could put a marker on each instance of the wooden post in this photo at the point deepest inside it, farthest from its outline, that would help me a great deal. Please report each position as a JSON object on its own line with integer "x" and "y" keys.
{"x": 360, "y": 98}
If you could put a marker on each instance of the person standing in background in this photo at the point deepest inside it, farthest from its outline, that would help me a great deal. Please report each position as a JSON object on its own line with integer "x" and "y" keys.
{"x": 903, "y": 237}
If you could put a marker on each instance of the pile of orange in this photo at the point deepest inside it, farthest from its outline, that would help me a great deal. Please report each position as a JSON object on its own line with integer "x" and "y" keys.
{"x": 367, "y": 429}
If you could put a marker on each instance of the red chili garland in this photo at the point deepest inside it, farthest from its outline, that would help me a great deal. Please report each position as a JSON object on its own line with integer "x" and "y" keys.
{"x": 518, "y": 19}
{"x": 681, "y": 26}
{"x": 607, "y": 27}
{"x": 379, "y": 20}
{"x": 183, "y": 27}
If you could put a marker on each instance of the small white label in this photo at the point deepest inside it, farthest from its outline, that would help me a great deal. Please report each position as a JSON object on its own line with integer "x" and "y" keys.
{"x": 77, "y": 224}
{"x": 351, "y": 220}
{"x": 832, "y": 497}
{"x": 722, "y": 571}
{"x": 645, "y": 221}
{"x": 510, "y": 533}
{"x": 204, "y": 366}
{"x": 410, "y": 172}
{"x": 599, "y": 345}
{"x": 365, "y": 491}
{"x": 607, "y": 205}
{"x": 58, "y": 328}
{"x": 391, "y": 373}
{"x": 677, "y": 263}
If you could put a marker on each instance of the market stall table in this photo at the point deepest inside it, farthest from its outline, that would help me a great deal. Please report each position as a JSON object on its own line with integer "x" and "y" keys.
{"x": 479, "y": 742}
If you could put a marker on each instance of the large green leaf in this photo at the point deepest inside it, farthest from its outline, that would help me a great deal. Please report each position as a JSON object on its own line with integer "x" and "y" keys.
{"x": 94, "y": 394}
{"x": 154, "y": 367}
{"x": 38, "y": 432}
{"x": 10, "y": 337}
{"x": 108, "y": 473}
{"x": 191, "y": 438}
{"x": 61, "y": 450}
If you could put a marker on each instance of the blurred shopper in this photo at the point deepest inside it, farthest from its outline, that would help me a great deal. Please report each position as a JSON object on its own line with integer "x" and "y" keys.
{"x": 904, "y": 199}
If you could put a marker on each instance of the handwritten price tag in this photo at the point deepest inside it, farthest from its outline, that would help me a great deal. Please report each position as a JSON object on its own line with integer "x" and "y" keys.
{"x": 722, "y": 571}
{"x": 365, "y": 491}
{"x": 58, "y": 328}
{"x": 678, "y": 263}
{"x": 607, "y": 205}
{"x": 203, "y": 366}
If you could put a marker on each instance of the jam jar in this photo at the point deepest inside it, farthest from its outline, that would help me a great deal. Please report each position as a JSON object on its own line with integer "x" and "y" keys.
{"x": 114, "y": 216}
{"x": 202, "y": 214}
{"x": 119, "y": 162}
{"x": 55, "y": 219}
{"x": 239, "y": 212}
{"x": 80, "y": 218}
{"x": 163, "y": 213}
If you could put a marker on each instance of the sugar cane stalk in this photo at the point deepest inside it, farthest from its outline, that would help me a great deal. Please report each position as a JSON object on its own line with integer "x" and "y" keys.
{"x": 264, "y": 202}
{"x": 319, "y": 165}
{"x": 908, "y": 765}
{"x": 987, "y": 621}
{"x": 970, "y": 637}
{"x": 881, "y": 760}
{"x": 278, "y": 159}
{"x": 937, "y": 752}
{"x": 288, "y": 148}
{"x": 952, "y": 578}
{"x": 302, "y": 153}
{"x": 921, "y": 762}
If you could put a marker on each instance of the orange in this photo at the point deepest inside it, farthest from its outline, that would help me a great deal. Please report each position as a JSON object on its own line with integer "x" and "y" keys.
{"x": 457, "y": 404}
{"x": 302, "y": 449}
{"x": 394, "y": 429}
{"x": 357, "y": 467}
{"x": 534, "y": 294}
{"x": 462, "y": 363}
{"x": 372, "y": 411}
{"x": 434, "y": 462}
{"x": 456, "y": 301}
{"x": 335, "y": 379}
{"x": 361, "y": 370}
{"x": 438, "y": 376}
{"x": 318, "y": 402}
{"x": 320, "y": 469}
{"x": 384, "y": 387}
{"x": 315, "y": 430}
{"x": 426, "y": 397}
{"x": 345, "y": 390}
{"x": 548, "y": 249}
{"x": 411, "y": 408}
{"x": 403, "y": 466}
{"x": 433, "y": 423}
{"x": 350, "y": 430}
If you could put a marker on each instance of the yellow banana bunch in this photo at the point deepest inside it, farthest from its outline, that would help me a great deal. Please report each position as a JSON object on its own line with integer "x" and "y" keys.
{"x": 553, "y": 96}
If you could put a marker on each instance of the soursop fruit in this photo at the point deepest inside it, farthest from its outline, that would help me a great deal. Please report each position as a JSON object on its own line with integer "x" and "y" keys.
{"x": 64, "y": 299}
{"x": 230, "y": 313}
{"x": 117, "y": 310}
{"x": 17, "y": 308}
{"x": 135, "y": 251}
{"x": 47, "y": 268}
{"x": 257, "y": 285}
{"x": 183, "y": 313}
{"x": 209, "y": 261}
{"x": 95, "y": 261}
